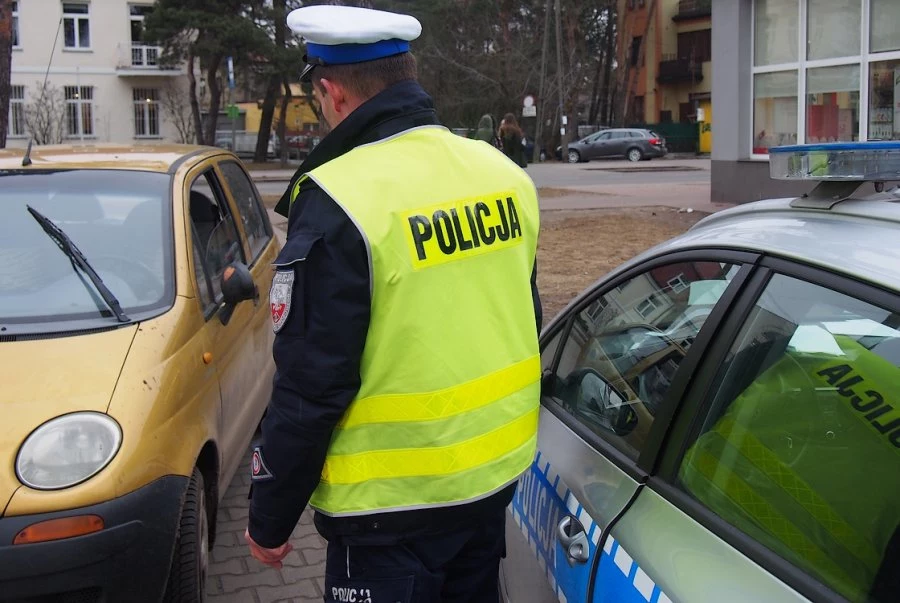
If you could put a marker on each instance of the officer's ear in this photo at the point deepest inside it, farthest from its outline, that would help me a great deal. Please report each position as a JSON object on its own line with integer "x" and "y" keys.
{"x": 334, "y": 94}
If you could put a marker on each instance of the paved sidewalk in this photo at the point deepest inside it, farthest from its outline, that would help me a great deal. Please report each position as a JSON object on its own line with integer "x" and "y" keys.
{"x": 235, "y": 577}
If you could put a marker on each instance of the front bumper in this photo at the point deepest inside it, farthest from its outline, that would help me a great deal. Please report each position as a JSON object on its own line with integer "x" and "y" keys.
{"x": 128, "y": 560}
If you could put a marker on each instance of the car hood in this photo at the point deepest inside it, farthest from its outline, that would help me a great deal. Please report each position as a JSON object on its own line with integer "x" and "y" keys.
{"x": 52, "y": 376}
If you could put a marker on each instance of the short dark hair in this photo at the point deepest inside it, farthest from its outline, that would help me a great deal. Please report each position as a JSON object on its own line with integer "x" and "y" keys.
{"x": 367, "y": 79}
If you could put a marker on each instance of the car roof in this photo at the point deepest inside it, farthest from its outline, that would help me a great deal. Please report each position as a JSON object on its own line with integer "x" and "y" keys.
{"x": 859, "y": 237}
{"x": 154, "y": 158}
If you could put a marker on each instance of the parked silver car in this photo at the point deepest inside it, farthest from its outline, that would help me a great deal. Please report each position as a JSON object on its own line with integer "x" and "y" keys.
{"x": 633, "y": 144}
{"x": 720, "y": 416}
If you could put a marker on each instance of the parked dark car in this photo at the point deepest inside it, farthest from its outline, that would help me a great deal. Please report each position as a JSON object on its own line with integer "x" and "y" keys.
{"x": 634, "y": 144}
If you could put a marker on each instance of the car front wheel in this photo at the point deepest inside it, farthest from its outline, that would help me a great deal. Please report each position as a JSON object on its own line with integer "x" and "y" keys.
{"x": 574, "y": 156}
{"x": 190, "y": 561}
{"x": 634, "y": 155}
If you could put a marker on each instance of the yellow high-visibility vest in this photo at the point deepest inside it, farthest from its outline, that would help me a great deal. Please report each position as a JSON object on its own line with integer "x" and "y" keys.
{"x": 448, "y": 406}
{"x": 807, "y": 461}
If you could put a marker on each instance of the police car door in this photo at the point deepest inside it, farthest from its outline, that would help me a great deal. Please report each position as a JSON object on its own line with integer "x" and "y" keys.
{"x": 608, "y": 364}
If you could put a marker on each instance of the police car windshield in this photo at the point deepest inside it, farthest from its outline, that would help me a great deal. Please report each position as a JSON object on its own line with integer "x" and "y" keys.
{"x": 119, "y": 219}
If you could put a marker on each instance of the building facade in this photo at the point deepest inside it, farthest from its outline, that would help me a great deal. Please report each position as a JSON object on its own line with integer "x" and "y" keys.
{"x": 798, "y": 71}
{"x": 665, "y": 47}
{"x": 105, "y": 84}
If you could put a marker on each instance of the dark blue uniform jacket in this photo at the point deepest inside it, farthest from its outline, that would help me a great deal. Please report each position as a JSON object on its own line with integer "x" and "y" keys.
{"x": 319, "y": 348}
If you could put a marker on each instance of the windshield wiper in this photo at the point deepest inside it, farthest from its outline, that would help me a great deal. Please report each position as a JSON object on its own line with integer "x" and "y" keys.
{"x": 77, "y": 258}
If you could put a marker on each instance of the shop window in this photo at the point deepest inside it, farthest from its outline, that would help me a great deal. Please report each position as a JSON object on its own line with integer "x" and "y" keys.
{"x": 885, "y": 25}
{"x": 884, "y": 96}
{"x": 833, "y": 28}
{"x": 774, "y": 110}
{"x": 777, "y": 31}
{"x": 832, "y": 104}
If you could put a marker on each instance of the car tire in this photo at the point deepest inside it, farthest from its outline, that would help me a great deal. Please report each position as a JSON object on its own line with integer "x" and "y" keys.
{"x": 190, "y": 559}
{"x": 634, "y": 154}
{"x": 574, "y": 156}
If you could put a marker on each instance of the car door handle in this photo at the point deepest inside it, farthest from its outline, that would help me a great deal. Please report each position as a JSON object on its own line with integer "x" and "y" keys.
{"x": 575, "y": 544}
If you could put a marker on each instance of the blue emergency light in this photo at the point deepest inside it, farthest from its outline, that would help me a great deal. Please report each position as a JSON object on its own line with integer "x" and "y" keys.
{"x": 875, "y": 161}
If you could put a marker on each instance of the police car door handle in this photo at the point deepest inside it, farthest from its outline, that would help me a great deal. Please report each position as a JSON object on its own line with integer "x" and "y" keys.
{"x": 576, "y": 545}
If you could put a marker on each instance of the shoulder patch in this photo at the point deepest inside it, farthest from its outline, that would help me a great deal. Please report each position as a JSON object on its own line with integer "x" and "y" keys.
{"x": 259, "y": 471}
{"x": 280, "y": 297}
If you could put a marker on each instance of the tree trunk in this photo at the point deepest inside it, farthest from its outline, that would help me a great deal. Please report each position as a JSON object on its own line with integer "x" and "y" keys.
{"x": 610, "y": 58}
{"x": 5, "y": 67}
{"x": 282, "y": 120}
{"x": 195, "y": 104}
{"x": 215, "y": 99}
{"x": 265, "y": 120}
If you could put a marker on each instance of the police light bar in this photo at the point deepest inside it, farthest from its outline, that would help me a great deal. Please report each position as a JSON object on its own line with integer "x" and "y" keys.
{"x": 841, "y": 161}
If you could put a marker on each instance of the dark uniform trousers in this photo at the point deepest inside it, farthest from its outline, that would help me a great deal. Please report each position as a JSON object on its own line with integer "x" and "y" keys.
{"x": 456, "y": 565}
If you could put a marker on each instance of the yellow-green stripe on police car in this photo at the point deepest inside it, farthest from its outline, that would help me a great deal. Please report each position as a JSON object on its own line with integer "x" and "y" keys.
{"x": 460, "y": 229}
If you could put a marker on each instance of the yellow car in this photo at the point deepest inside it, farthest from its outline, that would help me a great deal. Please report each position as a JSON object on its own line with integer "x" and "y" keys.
{"x": 136, "y": 364}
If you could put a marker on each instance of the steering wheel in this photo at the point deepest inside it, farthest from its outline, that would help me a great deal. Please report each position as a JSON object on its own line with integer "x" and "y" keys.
{"x": 143, "y": 280}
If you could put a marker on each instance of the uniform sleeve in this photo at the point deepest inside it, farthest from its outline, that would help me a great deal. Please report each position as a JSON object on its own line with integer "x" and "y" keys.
{"x": 318, "y": 348}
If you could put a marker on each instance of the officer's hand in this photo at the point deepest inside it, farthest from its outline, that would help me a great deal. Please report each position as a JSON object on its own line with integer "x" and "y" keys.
{"x": 271, "y": 557}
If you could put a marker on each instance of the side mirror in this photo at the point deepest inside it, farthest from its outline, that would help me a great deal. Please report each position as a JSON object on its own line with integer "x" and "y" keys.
{"x": 237, "y": 286}
{"x": 603, "y": 403}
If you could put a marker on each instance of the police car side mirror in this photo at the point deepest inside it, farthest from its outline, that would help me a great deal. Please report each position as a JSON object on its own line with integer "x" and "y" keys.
{"x": 601, "y": 401}
{"x": 237, "y": 286}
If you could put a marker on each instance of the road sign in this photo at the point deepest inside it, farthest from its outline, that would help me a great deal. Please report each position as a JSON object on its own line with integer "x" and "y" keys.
{"x": 233, "y": 112}
{"x": 529, "y": 111}
{"x": 230, "y": 73}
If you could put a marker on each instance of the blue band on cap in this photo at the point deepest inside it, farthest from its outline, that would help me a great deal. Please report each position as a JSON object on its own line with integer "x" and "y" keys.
{"x": 356, "y": 53}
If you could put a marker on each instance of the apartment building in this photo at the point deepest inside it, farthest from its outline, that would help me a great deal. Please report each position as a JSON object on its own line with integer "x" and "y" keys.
{"x": 108, "y": 83}
{"x": 665, "y": 47}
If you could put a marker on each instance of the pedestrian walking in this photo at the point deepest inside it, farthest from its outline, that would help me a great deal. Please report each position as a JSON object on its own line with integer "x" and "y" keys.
{"x": 512, "y": 139}
{"x": 406, "y": 318}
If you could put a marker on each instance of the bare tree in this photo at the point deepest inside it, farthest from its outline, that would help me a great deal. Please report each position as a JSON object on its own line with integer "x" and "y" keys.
{"x": 6, "y": 41}
{"x": 176, "y": 103}
{"x": 45, "y": 114}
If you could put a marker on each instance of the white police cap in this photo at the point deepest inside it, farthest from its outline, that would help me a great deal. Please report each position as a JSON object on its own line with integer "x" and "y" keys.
{"x": 338, "y": 35}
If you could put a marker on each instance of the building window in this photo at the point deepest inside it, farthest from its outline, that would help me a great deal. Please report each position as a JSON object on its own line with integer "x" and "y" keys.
{"x": 146, "y": 112}
{"x": 142, "y": 54}
{"x": 15, "y": 25}
{"x": 646, "y": 307}
{"x": 635, "y": 50}
{"x": 695, "y": 46}
{"x": 885, "y": 24}
{"x": 774, "y": 110}
{"x": 17, "y": 111}
{"x": 79, "y": 111}
{"x": 76, "y": 25}
{"x": 884, "y": 100}
{"x": 832, "y": 104}
{"x": 777, "y": 32}
{"x": 832, "y": 28}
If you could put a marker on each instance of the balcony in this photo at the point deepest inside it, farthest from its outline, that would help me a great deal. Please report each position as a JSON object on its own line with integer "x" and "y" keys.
{"x": 679, "y": 70}
{"x": 693, "y": 9}
{"x": 142, "y": 59}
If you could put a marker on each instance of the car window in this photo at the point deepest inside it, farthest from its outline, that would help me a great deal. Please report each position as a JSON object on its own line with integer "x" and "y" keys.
{"x": 623, "y": 349}
{"x": 801, "y": 447}
{"x": 216, "y": 235}
{"x": 604, "y": 135}
{"x": 248, "y": 206}
{"x": 617, "y": 135}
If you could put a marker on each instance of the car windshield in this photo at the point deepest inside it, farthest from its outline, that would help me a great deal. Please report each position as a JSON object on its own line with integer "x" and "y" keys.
{"x": 120, "y": 220}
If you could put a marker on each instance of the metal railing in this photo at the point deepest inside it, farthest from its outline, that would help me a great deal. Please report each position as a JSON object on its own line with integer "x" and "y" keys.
{"x": 145, "y": 56}
{"x": 689, "y": 9}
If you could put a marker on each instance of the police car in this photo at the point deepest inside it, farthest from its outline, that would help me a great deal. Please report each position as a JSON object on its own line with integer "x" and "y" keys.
{"x": 720, "y": 416}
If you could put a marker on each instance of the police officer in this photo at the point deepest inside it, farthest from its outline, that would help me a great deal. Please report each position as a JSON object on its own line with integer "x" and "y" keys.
{"x": 406, "y": 314}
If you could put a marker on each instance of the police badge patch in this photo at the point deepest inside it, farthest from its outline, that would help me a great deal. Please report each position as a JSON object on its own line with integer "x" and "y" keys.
{"x": 259, "y": 472}
{"x": 280, "y": 297}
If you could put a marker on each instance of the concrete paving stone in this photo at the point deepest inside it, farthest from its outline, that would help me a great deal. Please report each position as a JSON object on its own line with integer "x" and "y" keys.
{"x": 292, "y": 574}
{"x": 235, "y": 525}
{"x": 266, "y": 577}
{"x": 239, "y": 513}
{"x": 243, "y": 596}
{"x": 226, "y": 538}
{"x": 269, "y": 594}
{"x": 224, "y": 553}
{"x": 213, "y": 586}
{"x": 310, "y": 541}
{"x": 314, "y": 556}
{"x": 232, "y": 566}
{"x": 303, "y": 530}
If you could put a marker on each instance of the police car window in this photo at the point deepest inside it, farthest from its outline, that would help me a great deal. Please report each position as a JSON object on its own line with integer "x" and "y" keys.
{"x": 623, "y": 350}
{"x": 248, "y": 206}
{"x": 801, "y": 448}
{"x": 215, "y": 234}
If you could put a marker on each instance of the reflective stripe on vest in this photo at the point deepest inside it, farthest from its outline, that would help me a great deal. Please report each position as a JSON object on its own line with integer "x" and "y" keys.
{"x": 448, "y": 404}
{"x": 804, "y": 461}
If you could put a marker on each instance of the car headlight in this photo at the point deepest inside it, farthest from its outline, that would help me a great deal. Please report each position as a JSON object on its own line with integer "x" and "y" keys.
{"x": 68, "y": 450}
